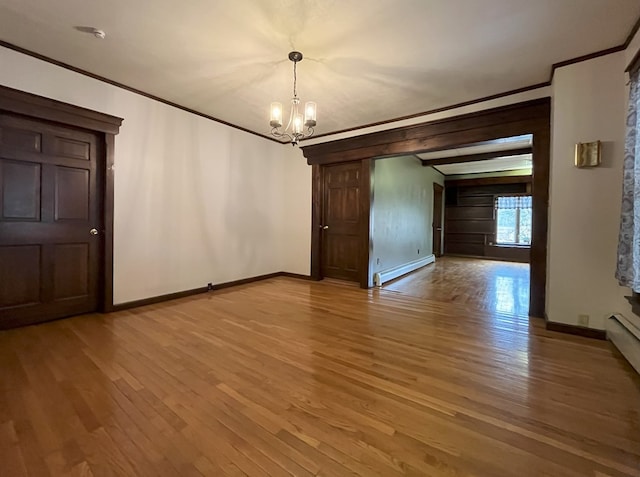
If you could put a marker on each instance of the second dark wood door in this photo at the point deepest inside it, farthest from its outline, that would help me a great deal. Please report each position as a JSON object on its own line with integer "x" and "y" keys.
{"x": 50, "y": 227}
{"x": 341, "y": 221}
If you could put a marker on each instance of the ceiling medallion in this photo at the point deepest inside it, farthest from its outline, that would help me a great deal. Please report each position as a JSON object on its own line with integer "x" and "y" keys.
{"x": 295, "y": 129}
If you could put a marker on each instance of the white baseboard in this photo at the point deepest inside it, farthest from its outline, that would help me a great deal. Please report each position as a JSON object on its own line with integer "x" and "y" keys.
{"x": 387, "y": 275}
{"x": 622, "y": 333}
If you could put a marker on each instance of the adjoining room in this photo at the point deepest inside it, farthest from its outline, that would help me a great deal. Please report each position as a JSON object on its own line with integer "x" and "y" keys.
{"x": 478, "y": 221}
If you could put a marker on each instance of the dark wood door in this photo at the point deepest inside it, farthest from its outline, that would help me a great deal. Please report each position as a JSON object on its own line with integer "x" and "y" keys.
{"x": 340, "y": 221}
{"x": 437, "y": 219}
{"x": 49, "y": 204}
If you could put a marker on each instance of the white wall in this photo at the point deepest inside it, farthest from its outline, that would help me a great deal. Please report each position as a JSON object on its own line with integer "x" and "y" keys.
{"x": 589, "y": 102}
{"x": 296, "y": 207}
{"x": 402, "y": 211}
{"x": 195, "y": 201}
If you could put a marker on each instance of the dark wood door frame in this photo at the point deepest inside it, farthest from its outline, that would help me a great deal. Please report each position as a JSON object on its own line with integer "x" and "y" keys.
{"x": 366, "y": 190}
{"x": 437, "y": 227}
{"x": 44, "y": 109}
{"x": 531, "y": 117}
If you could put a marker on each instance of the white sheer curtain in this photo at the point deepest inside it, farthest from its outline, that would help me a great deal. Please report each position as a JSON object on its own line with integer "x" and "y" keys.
{"x": 628, "y": 269}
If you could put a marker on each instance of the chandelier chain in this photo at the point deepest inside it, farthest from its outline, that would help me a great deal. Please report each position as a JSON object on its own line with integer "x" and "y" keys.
{"x": 295, "y": 80}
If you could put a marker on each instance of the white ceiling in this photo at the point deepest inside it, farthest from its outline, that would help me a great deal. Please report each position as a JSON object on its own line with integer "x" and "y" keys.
{"x": 365, "y": 60}
{"x": 499, "y": 164}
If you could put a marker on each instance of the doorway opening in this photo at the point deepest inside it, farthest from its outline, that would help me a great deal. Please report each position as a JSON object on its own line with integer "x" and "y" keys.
{"x": 483, "y": 230}
{"x": 527, "y": 118}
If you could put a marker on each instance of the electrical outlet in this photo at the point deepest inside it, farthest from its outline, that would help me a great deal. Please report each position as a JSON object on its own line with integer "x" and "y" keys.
{"x": 209, "y": 286}
{"x": 583, "y": 320}
{"x": 418, "y": 251}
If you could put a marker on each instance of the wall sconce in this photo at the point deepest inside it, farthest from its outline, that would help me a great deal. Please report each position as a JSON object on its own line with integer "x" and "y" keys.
{"x": 588, "y": 154}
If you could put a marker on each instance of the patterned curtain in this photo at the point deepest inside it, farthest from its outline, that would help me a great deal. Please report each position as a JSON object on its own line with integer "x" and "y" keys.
{"x": 513, "y": 202}
{"x": 628, "y": 270}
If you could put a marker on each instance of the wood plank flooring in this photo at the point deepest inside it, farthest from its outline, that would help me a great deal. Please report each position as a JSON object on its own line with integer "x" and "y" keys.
{"x": 490, "y": 285}
{"x": 288, "y": 377}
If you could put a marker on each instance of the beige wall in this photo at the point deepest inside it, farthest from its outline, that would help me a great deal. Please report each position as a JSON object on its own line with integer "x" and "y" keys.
{"x": 402, "y": 211}
{"x": 195, "y": 201}
{"x": 589, "y": 101}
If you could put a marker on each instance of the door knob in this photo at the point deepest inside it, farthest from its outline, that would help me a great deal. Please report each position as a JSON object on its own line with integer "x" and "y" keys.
{"x": 93, "y": 232}
{"x": 325, "y": 227}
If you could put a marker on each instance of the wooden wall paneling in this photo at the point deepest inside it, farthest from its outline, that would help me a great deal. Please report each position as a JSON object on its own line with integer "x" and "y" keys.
{"x": 531, "y": 117}
{"x": 470, "y": 223}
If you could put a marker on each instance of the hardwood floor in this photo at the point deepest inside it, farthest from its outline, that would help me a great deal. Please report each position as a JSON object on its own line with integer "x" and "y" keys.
{"x": 489, "y": 285}
{"x": 288, "y": 377}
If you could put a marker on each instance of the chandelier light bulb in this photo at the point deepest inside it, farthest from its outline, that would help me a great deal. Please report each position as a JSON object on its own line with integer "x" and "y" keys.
{"x": 276, "y": 115}
{"x": 298, "y": 121}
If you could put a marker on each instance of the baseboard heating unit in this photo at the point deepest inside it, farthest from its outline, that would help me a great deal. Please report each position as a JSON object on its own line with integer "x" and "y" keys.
{"x": 395, "y": 272}
{"x": 625, "y": 335}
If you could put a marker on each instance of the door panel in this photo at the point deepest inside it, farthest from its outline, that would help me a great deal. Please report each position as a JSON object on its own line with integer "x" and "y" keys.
{"x": 71, "y": 271}
{"x": 49, "y": 261}
{"x": 19, "y": 275}
{"x": 71, "y": 194}
{"x": 20, "y": 190}
{"x": 341, "y": 215}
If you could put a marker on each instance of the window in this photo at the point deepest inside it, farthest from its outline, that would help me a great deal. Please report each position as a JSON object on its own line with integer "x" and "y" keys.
{"x": 513, "y": 220}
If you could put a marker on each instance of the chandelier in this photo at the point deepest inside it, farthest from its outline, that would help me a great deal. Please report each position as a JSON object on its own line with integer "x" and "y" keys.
{"x": 298, "y": 121}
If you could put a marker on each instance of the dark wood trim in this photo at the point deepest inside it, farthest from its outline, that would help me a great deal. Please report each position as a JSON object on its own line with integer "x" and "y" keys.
{"x": 196, "y": 291}
{"x": 158, "y": 299}
{"x": 632, "y": 33}
{"x": 634, "y": 64}
{"x": 484, "y": 156}
{"x": 531, "y": 117}
{"x": 27, "y": 104}
{"x": 480, "y": 257}
{"x": 582, "y": 58}
{"x": 244, "y": 281}
{"x": 576, "y": 330}
{"x": 437, "y": 110}
{"x": 444, "y": 133}
{"x": 45, "y": 109}
{"x": 634, "y": 301}
{"x": 366, "y": 244}
{"x": 488, "y": 181}
{"x": 317, "y": 193}
{"x": 107, "y": 223}
{"x": 297, "y": 276}
{"x": 131, "y": 89}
